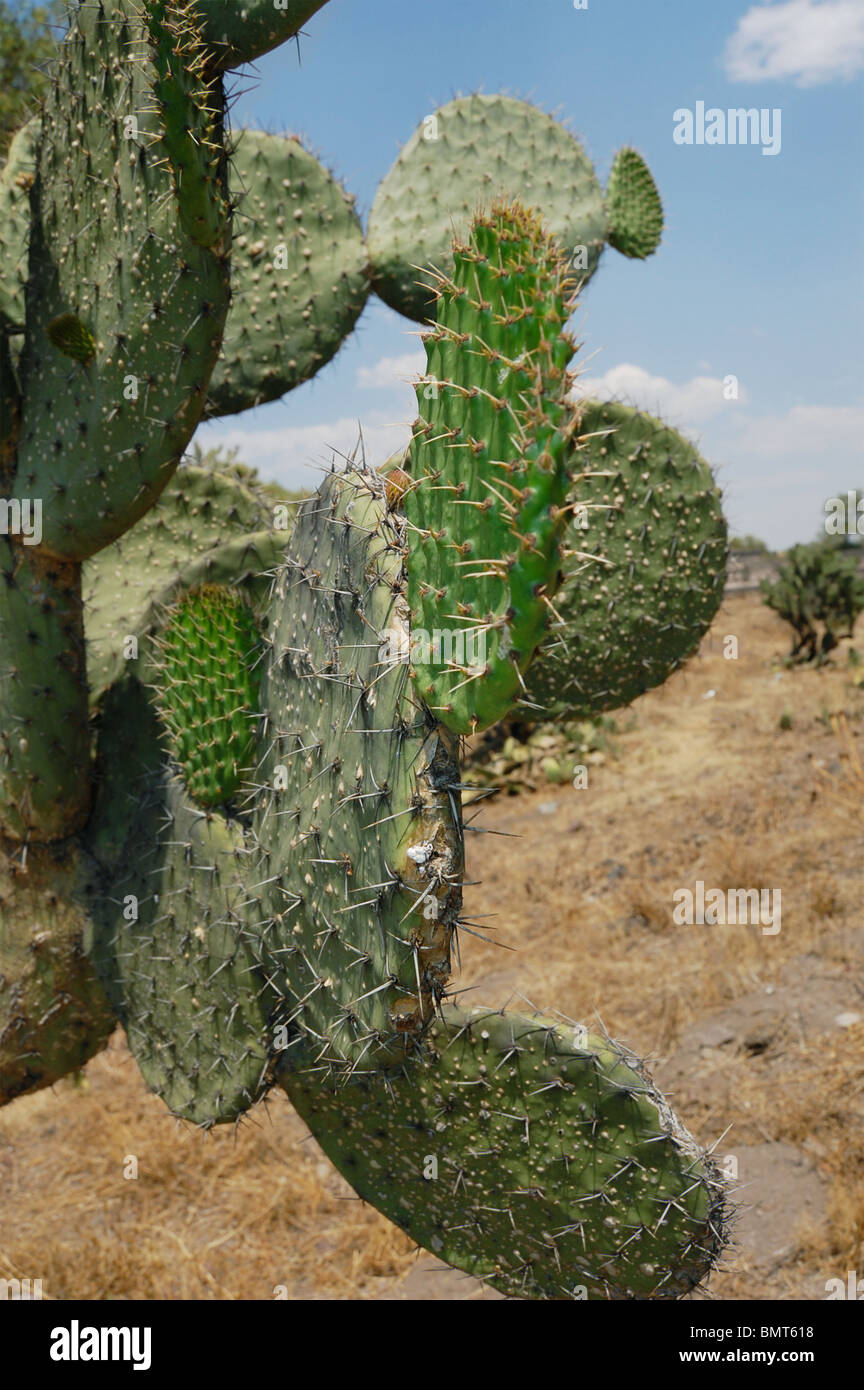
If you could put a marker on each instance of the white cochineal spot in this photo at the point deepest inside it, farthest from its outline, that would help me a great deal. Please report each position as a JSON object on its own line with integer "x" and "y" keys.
{"x": 421, "y": 854}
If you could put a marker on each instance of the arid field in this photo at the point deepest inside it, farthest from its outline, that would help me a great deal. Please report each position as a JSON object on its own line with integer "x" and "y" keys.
{"x": 738, "y": 773}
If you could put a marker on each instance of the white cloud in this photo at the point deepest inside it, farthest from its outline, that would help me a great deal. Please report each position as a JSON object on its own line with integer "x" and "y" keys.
{"x": 295, "y": 456}
{"x": 809, "y": 432}
{"x": 776, "y": 469}
{"x": 801, "y": 40}
{"x": 388, "y": 372}
{"x": 686, "y": 403}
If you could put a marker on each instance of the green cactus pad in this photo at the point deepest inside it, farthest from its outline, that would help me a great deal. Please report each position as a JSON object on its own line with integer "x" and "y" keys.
{"x": 73, "y": 338}
{"x": 207, "y": 682}
{"x": 172, "y": 935}
{"x": 298, "y": 273}
{"x": 358, "y": 812}
{"x": 44, "y": 729}
{"x": 472, "y": 151}
{"x": 646, "y": 575}
{"x": 206, "y": 528}
{"x": 529, "y": 1153}
{"x": 633, "y": 206}
{"x": 16, "y": 180}
{"x": 53, "y": 1013}
{"x": 238, "y": 31}
{"x": 100, "y": 444}
{"x": 489, "y": 464}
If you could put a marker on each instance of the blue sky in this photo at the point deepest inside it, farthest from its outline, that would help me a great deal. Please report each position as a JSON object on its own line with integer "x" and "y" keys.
{"x": 760, "y": 273}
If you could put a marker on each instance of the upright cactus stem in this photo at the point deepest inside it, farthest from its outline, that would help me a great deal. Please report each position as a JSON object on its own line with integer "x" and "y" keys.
{"x": 489, "y": 463}
{"x": 189, "y": 99}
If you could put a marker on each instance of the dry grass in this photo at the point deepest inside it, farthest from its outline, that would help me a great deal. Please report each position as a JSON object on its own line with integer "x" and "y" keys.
{"x": 232, "y": 1214}
{"x": 712, "y": 789}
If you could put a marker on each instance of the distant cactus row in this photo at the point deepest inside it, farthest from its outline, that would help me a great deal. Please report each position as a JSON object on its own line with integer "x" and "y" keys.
{"x": 819, "y": 592}
{"x": 256, "y": 864}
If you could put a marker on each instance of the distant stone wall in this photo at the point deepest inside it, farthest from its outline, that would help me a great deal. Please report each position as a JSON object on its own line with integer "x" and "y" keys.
{"x": 747, "y": 568}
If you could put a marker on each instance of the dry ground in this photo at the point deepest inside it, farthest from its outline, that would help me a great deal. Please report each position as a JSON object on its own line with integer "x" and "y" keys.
{"x": 760, "y": 1038}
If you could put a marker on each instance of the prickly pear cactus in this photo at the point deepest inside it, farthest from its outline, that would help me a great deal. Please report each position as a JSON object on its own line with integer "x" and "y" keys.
{"x": 557, "y": 1169}
{"x": 302, "y": 936}
{"x": 258, "y": 867}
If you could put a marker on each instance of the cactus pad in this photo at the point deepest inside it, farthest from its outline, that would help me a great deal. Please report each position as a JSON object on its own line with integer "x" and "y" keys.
{"x": 529, "y": 1153}
{"x": 44, "y": 732}
{"x": 100, "y": 443}
{"x": 207, "y": 527}
{"x": 633, "y": 206}
{"x": 172, "y": 934}
{"x": 53, "y": 1013}
{"x": 472, "y": 151}
{"x": 298, "y": 273}
{"x": 207, "y": 690}
{"x": 238, "y": 31}
{"x": 646, "y": 575}
{"x": 358, "y": 813}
